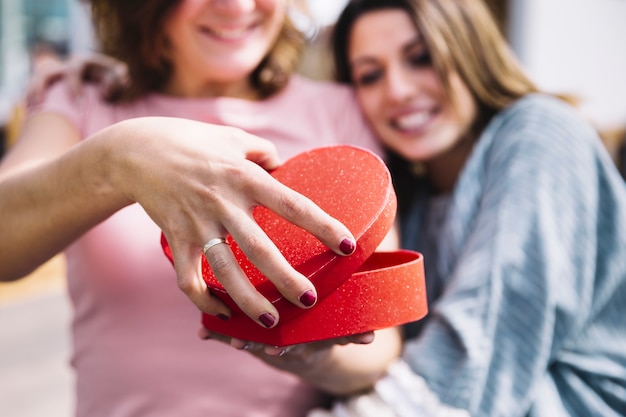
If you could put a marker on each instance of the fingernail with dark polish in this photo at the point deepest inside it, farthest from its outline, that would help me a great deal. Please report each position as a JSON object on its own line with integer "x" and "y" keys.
{"x": 222, "y": 316}
{"x": 347, "y": 246}
{"x": 308, "y": 298}
{"x": 267, "y": 320}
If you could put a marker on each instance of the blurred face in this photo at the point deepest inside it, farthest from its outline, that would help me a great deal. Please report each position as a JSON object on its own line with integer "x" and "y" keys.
{"x": 400, "y": 92}
{"x": 216, "y": 44}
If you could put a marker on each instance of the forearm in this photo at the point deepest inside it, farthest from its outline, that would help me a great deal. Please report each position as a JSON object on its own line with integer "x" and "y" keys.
{"x": 48, "y": 204}
{"x": 194, "y": 180}
{"x": 343, "y": 370}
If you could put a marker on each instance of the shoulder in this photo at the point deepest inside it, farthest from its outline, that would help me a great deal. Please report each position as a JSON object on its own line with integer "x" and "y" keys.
{"x": 331, "y": 94}
{"x": 87, "y": 110}
{"x": 60, "y": 95}
{"x": 59, "y": 99}
{"x": 331, "y": 107}
{"x": 324, "y": 100}
{"x": 536, "y": 104}
{"x": 536, "y": 118}
{"x": 309, "y": 86}
{"x": 540, "y": 128}
{"x": 542, "y": 144}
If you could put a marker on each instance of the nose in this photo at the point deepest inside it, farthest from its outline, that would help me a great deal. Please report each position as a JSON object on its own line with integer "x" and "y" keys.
{"x": 400, "y": 85}
{"x": 234, "y": 7}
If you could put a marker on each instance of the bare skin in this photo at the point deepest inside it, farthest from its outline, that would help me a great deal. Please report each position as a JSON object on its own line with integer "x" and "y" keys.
{"x": 205, "y": 185}
{"x": 339, "y": 366}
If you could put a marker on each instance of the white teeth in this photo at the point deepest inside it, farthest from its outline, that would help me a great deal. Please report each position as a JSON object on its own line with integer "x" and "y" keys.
{"x": 413, "y": 120}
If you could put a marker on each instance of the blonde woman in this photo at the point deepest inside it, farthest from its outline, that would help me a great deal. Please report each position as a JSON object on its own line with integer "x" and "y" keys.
{"x": 517, "y": 207}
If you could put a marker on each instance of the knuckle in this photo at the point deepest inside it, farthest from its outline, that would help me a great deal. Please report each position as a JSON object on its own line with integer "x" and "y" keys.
{"x": 221, "y": 264}
{"x": 185, "y": 285}
{"x": 293, "y": 205}
{"x": 210, "y": 305}
{"x": 256, "y": 246}
{"x": 239, "y": 175}
{"x": 245, "y": 176}
{"x": 236, "y": 176}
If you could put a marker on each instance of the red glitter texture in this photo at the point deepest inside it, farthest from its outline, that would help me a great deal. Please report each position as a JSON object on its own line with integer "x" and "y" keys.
{"x": 356, "y": 293}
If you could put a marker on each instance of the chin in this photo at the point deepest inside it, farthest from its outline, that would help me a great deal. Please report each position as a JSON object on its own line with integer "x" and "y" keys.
{"x": 416, "y": 150}
{"x": 231, "y": 74}
{"x": 233, "y": 68}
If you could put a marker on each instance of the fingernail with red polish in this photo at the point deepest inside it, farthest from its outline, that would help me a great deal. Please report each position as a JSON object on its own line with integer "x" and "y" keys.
{"x": 308, "y": 298}
{"x": 267, "y": 320}
{"x": 347, "y": 246}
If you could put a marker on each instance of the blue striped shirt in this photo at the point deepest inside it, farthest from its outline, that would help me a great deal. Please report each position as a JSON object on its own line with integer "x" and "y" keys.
{"x": 527, "y": 276}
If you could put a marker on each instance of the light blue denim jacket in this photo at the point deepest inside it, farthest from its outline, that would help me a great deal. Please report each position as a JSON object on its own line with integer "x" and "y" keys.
{"x": 527, "y": 275}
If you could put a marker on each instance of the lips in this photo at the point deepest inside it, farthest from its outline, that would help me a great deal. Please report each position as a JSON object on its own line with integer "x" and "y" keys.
{"x": 413, "y": 121}
{"x": 228, "y": 34}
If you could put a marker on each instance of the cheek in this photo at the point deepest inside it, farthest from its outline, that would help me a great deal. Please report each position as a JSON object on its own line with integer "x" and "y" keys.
{"x": 185, "y": 10}
{"x": 178, "y": 19}
{"x": 273, "y": 10}
{"x": 369, "y": 102}
{"x": 268, "y": 6}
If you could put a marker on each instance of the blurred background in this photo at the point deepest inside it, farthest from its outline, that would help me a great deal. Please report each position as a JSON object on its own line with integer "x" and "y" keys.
{"x": 567, "y": 46}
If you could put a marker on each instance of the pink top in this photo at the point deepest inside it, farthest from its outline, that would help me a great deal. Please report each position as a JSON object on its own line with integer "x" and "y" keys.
{"x": 135, "y": 349}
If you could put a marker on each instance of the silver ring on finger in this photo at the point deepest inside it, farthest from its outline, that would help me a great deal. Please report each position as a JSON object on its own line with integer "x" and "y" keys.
{"x": 213, "y": 242}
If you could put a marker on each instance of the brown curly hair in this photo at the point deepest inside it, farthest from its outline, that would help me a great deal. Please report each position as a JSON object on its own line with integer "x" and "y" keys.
{"x": 129, "y": 30}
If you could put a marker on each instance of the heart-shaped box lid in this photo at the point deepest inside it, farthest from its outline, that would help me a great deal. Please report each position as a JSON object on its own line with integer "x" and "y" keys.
{"x": 353, "y": 185}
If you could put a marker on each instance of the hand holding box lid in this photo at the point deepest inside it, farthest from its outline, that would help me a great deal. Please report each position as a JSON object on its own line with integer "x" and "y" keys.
{"x": 358, "y": 293}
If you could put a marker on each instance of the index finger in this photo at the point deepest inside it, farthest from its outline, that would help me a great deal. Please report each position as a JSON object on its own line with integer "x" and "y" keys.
{"x": 301, "y": 211}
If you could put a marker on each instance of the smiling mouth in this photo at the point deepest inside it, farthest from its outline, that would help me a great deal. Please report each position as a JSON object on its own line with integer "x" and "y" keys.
{"x": 412, "y": 122}
{"x": 229, "y": 35}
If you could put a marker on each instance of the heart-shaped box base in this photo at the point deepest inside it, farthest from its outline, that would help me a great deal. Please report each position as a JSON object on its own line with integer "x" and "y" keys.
{"x": 357, "y": 293}
{"x": 388, "y": 290}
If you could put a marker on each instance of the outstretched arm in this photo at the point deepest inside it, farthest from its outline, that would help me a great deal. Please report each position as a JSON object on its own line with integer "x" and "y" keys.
{"x": 196, "y": 181}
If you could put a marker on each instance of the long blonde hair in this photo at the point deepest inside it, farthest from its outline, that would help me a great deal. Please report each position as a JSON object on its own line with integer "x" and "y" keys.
{"x": 461, "y": 36}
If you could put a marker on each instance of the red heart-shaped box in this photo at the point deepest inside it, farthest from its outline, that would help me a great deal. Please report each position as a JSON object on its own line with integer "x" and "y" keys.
{"x": 361, "y": 292}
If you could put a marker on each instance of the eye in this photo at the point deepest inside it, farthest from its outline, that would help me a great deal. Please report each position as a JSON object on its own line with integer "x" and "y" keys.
{"x": 420, "y": 59}
{"x": 368, "y": 77}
